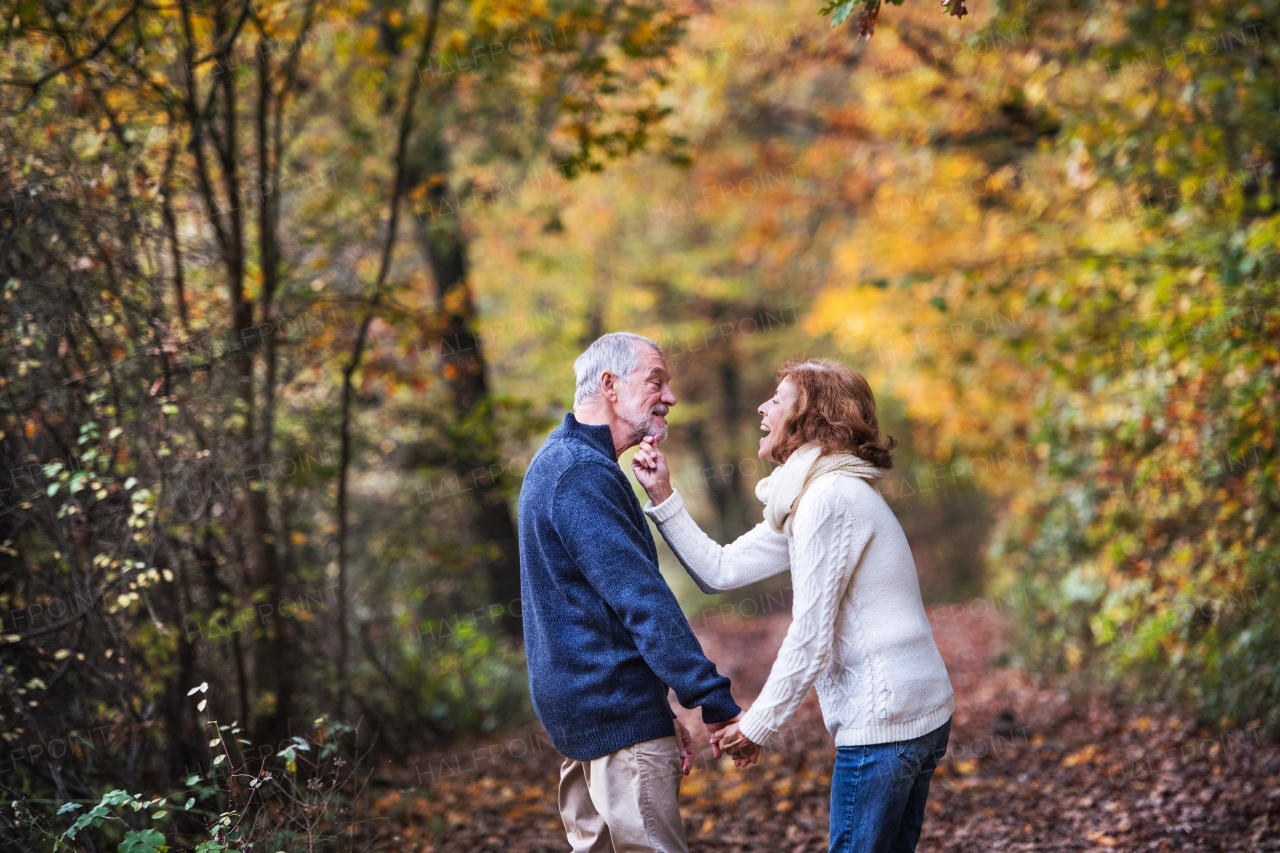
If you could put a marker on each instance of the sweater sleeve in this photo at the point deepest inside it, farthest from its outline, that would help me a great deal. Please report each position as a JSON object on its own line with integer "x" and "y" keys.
{"x": 829, "y": 543}
{"x": 755, "y": 555}
{"x": 614, "y": 554}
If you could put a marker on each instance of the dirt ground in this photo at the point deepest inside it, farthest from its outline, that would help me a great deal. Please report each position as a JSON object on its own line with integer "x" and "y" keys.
{"x": 1028, "y": 769}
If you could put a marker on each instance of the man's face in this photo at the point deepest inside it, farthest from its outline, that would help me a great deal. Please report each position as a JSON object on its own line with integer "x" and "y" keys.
{"x": 645, "y": 398}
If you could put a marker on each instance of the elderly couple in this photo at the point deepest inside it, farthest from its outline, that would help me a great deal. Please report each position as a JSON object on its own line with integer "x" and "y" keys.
{"x": 605, "y": 637}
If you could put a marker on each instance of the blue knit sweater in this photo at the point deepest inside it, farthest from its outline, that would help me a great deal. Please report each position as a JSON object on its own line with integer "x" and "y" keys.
{"x": 603, "y": 633}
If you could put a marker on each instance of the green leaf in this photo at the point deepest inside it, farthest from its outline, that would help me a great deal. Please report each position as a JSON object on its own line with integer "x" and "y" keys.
{"x": 839, "y": 10}
{"x": 211, "y": 847}
{"x": 93, "y": 818}
{"x": 69, "y": 807}
{"x": 144, "y": 841}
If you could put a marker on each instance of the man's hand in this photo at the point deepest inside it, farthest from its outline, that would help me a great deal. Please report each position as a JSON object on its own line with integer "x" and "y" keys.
{"x": 650, "y": 466}
{"x": 685, "y": 741}
{"x": 730, "y": 739}
{"x": 714, "y": 728}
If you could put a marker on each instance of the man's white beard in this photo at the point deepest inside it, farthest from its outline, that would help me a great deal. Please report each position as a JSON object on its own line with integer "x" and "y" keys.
{"x": 642, "y": 423}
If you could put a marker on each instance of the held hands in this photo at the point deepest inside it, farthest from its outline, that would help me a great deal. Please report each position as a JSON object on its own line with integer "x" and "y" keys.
{"x": 650, "y": 466}
{"x": 727, "y": 739}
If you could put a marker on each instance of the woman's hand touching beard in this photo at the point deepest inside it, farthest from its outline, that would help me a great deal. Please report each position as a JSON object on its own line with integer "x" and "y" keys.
{"x": 650, "y": 466}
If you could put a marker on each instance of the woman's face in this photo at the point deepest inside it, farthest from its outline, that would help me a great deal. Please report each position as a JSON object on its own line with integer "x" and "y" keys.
{"x": 774, "y": 412}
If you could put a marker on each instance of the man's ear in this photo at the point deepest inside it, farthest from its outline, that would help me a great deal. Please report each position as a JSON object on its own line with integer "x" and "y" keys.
{"x": 607, "y": 388}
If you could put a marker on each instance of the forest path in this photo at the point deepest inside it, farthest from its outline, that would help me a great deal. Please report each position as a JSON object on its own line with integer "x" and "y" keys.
{"x": 1027, "y": 769}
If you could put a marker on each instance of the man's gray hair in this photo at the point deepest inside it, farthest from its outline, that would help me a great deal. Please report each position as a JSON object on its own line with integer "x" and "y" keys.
{"x": 616, "y": 352}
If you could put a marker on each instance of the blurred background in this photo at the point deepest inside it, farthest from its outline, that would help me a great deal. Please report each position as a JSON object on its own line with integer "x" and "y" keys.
{"x": 292, "y": 292}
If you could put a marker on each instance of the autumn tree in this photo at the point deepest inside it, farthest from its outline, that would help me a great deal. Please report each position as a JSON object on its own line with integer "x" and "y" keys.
{"x": 220, "y": 223}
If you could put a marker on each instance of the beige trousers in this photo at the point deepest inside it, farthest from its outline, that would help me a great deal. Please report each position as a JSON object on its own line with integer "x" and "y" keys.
{"x": 626, "y": 801}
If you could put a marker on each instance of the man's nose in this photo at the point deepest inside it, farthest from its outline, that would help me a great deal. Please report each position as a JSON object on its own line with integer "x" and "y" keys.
{"x": 668, "y": 396}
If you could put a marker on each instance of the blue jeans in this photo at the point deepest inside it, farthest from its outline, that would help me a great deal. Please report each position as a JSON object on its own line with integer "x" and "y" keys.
{"x": 878, "y": 793}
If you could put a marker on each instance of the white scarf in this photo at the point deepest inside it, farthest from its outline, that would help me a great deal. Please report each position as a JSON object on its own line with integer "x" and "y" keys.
{"x": 781, "y": 491}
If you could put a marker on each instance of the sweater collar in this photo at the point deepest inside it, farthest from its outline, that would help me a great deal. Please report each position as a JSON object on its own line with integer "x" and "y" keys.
{"x": 598, "y": 436}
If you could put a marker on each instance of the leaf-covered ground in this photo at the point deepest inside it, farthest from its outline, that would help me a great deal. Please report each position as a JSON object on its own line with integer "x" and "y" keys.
{"x": 1029, "y": 768}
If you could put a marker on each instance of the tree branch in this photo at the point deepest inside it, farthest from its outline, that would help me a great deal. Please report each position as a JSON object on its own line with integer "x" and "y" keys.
{"x": 35, "y": 85}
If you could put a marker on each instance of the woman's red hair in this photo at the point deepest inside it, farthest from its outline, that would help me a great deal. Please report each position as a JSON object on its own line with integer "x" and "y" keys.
{"x": 834, "y": 409}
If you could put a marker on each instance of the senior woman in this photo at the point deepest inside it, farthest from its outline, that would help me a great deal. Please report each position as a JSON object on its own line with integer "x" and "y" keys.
{"x": 859, "y": 631}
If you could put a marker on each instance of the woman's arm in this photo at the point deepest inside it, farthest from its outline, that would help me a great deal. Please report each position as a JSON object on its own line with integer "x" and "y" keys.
{"x": 829, "y": 544}
{"x": 758, "y": 554}
{"x": 761, "y": 553}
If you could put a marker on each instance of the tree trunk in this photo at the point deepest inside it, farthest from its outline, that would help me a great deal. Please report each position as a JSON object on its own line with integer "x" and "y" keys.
{"x": 272, "y": 674}
{"x": 399, "y": 185}
{"x": 273, "y": 651}
{"x": 734, "y": 517}
{"x": 463, "y": 369}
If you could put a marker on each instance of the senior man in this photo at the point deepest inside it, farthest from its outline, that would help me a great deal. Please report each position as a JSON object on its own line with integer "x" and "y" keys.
{"x": 604, "y": 636}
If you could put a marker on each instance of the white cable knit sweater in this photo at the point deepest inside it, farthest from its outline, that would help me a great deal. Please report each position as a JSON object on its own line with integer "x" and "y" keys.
{"x": 859, "y": 631}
